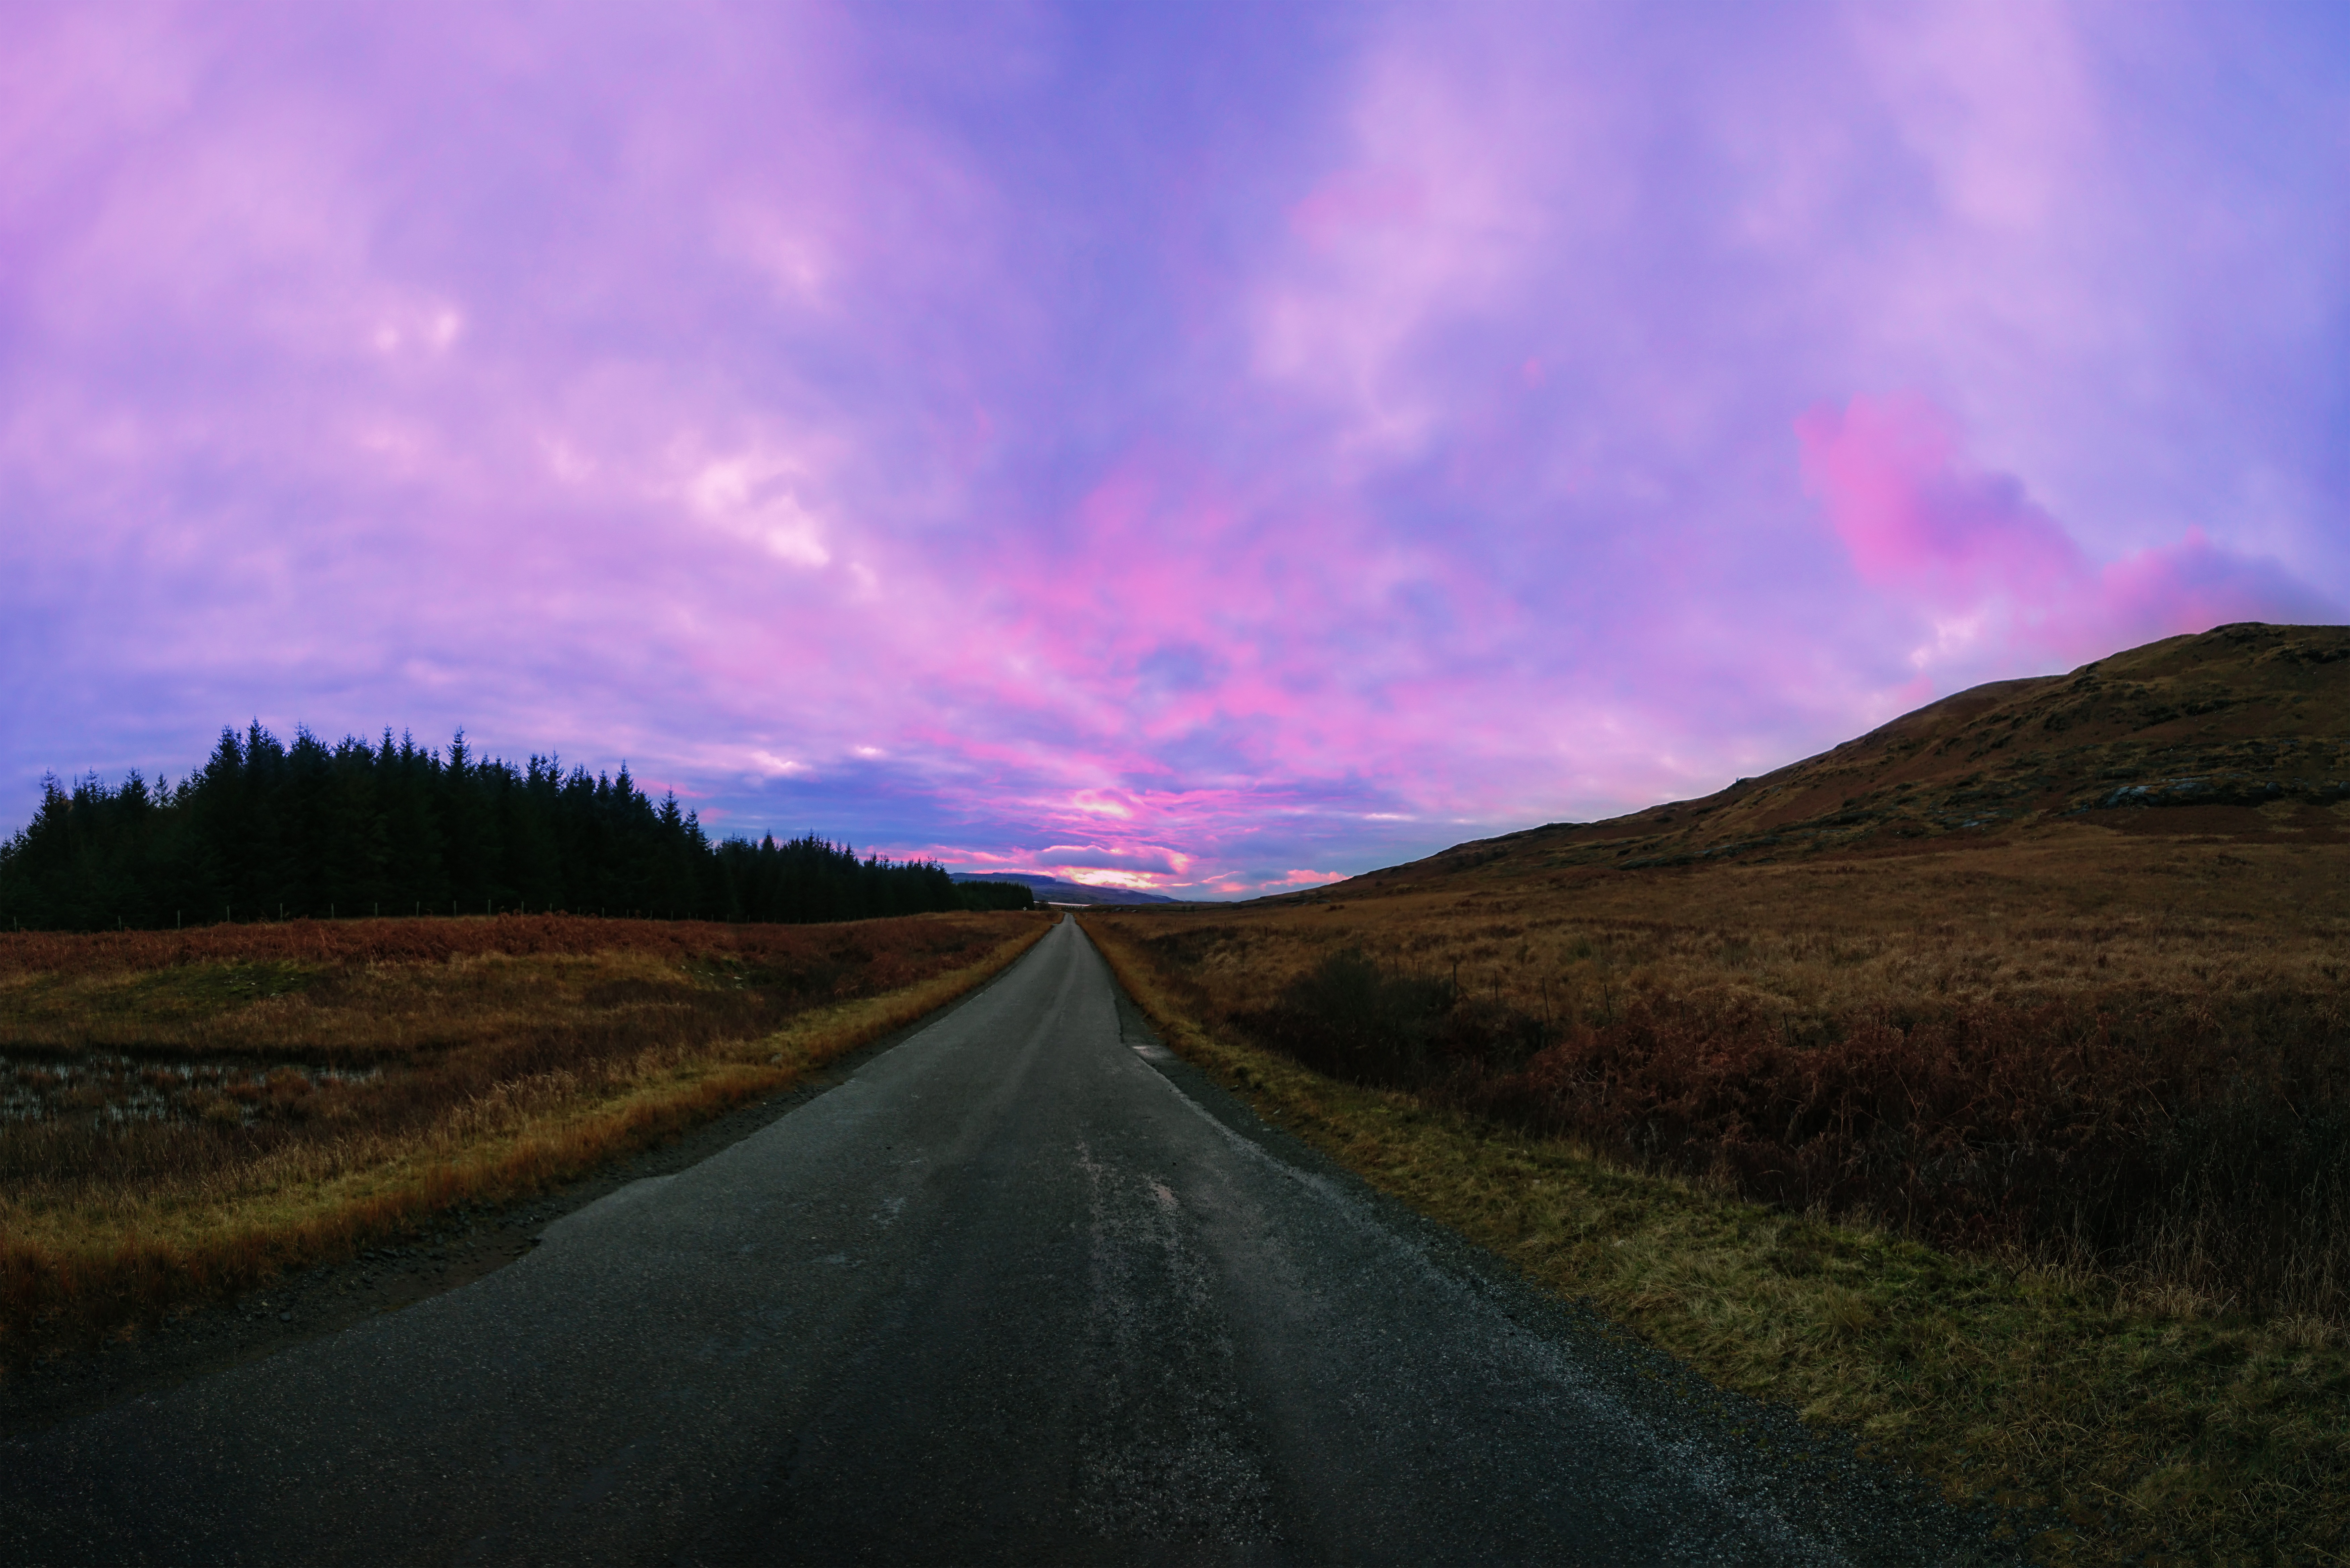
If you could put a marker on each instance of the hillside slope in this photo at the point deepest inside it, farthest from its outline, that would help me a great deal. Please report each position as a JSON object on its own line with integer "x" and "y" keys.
{"x": 1053, "y": 891}
{"x": 2049, "y": 972}
{"x": 2242, "y": 730}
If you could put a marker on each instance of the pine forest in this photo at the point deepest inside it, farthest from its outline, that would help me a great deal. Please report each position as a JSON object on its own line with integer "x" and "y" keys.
{"x": 269, "y": 831}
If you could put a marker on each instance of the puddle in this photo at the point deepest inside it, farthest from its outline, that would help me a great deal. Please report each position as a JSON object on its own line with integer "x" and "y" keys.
{"x": 112, "y": 1089}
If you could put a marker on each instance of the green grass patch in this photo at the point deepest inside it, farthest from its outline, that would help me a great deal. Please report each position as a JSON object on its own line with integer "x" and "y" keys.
{"x": 204, "y": 991}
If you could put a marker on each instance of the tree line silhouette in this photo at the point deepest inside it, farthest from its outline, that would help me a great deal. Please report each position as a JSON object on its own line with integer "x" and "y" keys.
{"x": 268, "y": 830}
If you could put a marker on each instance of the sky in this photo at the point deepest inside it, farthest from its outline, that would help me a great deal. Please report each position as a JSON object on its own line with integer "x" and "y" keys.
{"x": 1216, "y": 448}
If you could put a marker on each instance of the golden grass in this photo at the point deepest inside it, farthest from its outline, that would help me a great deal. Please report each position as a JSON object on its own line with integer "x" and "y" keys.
{"x": 2160, "y": 1421}
{"x": 2062, "y": 912}
{"x": 2070, "y": 991}
{"x": 500, "y": 1075}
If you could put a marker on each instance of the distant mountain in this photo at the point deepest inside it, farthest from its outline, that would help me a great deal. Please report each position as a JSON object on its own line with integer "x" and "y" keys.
{"x": 2244, "y": 729}
{"x": 1053, "y": 890}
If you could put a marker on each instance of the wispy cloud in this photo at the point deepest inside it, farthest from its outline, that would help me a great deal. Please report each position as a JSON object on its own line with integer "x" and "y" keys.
{"x": 1193, "y": 447}
{"x": 1991, "y": 574}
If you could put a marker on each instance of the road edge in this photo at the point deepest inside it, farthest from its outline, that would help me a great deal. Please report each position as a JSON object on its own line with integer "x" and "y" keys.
{"x": 468, "y": 1243}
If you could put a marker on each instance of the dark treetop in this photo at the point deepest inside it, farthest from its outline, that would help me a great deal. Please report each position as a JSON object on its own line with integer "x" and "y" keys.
{"x": 264, "y": 830}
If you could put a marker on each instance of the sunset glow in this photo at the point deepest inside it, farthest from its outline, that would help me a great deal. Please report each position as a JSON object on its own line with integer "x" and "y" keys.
{"x": 1209, "y": 449}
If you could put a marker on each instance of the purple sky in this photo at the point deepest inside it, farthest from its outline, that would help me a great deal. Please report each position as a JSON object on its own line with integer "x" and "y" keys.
{"x": 1212, "y": 447}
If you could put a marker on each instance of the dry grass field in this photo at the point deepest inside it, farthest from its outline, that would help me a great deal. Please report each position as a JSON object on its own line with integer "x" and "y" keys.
{"x": 2112, "y": 1051}
{"x": 184, "y": 1114}
{"x": 1981, "y": 1086}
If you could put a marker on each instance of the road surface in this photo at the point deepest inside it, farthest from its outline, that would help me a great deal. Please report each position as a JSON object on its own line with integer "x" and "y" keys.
{"x": 1024, "y": 1289}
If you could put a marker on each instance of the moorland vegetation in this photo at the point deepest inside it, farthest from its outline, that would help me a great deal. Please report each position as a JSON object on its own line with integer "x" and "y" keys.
{"x": 183, "y": 1114}
{"x": 268, "y": 830}
{"x": 1982, "y": 1083}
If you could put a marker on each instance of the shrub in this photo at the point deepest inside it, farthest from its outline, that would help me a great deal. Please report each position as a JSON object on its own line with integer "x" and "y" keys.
{"x": 2165, "y": 1141}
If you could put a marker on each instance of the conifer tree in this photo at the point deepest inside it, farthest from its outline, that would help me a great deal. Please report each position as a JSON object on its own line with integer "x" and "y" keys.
{"x": 263, "y": 829}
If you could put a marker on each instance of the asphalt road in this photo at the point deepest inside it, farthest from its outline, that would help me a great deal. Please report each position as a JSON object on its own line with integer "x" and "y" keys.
{"x": 1023, "y": 1289}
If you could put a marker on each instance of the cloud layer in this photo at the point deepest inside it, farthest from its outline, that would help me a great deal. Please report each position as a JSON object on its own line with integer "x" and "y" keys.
{"x": 1211, "y": 450}
{"x": 1990, "y": 571}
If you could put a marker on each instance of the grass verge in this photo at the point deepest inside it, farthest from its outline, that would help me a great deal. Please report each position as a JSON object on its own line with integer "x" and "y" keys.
{"x": 2156, "y": 1433}
{"x": 80, "y": 1262}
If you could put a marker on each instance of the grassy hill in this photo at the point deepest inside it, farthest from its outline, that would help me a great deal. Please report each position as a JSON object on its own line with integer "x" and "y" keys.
{"x": 1978, "y": 1085}
{"x": 2243, "y": 730}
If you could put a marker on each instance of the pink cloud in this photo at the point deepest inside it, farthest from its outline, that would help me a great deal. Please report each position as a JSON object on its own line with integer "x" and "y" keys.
{"x": 1971, "y": 553}
{"x": 827, "y": 408}
{"x": 1359, "y": 199}
{"x": 1115, "y": 857}
{"x": 1914, "y": 514}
